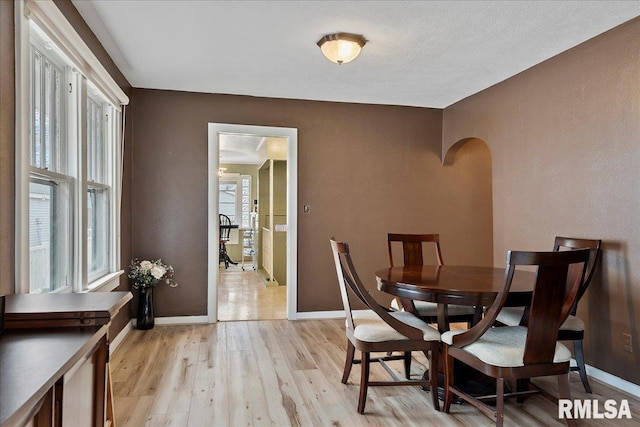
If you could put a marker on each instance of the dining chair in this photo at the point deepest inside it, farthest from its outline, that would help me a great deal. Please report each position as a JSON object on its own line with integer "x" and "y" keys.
{"x": 518, "y": 353}
{"x": 378, "y": 329}
{"x": 412, "y": 251}
{"x": 224, "y": 222}
{"x": 573, "y": 328}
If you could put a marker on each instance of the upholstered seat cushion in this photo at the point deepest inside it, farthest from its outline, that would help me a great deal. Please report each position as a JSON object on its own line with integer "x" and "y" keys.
{"x": 425, "y": 308}
{"x": 371, "y": 328}
{"x": 504, "y": 346}
{"x": 511, "y": 316}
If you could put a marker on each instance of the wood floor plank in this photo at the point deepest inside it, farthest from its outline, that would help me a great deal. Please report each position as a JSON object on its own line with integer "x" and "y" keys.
{"x": 243, "y": 295}
{"x": 175, "y": 388}
{"x": 174, "y": 419}
{"x": 282, "y": 373}
{"x": 132, "y": 411}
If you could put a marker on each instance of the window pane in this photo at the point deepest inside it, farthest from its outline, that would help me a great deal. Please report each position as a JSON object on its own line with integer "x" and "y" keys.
{"x": 50, "y": 250}
{"x": 97, "y": 232}
{"x": 36, "y": 97}
{"x": 228, "y": 200}
{"x": 95, "y": 143}
{"x": 245, "y": 205}
{"x": 47, "y": 114}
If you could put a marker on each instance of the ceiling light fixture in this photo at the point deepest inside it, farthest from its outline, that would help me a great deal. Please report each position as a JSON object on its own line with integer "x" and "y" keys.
{"x": 341, "y": 47}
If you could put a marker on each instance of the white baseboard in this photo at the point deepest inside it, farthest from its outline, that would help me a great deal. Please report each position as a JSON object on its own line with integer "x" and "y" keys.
{"x": 308, "y": 315}
{"x": 115, "y": 343}
{"x": 181, "y": 320}
{"x": 613, "y": 381}
{"x": 177, "y": 320}
{"x": 337, "y": 314}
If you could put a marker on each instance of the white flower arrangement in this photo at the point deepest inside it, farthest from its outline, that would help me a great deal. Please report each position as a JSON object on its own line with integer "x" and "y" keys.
{"x": 147, "y": 274}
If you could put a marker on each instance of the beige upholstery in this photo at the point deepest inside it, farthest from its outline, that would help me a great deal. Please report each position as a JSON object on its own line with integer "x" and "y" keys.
{"x": 504, "y": 346}
{"x": 425, "y": 308}
{"x": 572, "y": 323}
{"x": 511, "y": 316}
{"x": 379, "y": 330}
{"x": 371, "y": 328}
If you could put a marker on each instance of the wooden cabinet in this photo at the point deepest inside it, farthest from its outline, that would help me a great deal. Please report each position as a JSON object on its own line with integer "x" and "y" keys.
{"x": 54, "y": 367}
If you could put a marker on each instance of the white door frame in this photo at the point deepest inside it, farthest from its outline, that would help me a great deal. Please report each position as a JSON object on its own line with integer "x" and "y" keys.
{"x": 291, "y": 134}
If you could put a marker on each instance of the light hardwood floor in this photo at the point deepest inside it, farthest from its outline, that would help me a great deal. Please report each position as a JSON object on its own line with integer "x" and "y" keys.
{"x": 287, "y": 373}
{"x": 243, "y": 295}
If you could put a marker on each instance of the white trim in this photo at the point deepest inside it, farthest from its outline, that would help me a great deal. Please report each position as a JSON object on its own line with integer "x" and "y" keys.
{"x": 291, "y": 134}
{"x": 613, "y": 381}
{"x": 106, "y": 283}
{"x": 115, "y": 343}
{"x": 22, "y": 118}
{"x": 178, "y": 320}
{"x": 213, "y": 235}
{"x": 319, "y": 315}
{"x": 52, "y": 21}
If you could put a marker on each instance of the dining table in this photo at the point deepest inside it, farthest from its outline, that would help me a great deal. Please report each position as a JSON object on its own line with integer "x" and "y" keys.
{"x": 456, "y": 284}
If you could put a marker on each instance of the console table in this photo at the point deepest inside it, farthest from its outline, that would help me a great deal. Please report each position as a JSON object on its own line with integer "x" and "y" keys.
{"x": 54, "y": 357}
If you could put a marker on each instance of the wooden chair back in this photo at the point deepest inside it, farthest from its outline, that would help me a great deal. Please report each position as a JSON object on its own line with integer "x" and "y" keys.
{"x": 350, "y": 283}
{"x": 571, "y": 243}
{"x": 558, "y": 278}
{"x": 412, "y": 248}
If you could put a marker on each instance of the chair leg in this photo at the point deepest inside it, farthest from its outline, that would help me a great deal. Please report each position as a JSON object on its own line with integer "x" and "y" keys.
{"x": 564, "y": 392}
{"x": 226, "y": 256}
{"x": 433, "y": 374}
{"x": 407, "y": 365}
{"x": 448, "y": 379}
{"x": 348, "y": 362}
{"x": 579, "y": 352}
{"x": 499, "y": 402}
{"x": 364, "y": 381}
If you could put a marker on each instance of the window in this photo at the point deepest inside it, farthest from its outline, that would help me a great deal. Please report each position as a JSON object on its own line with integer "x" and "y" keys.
{"x": 98, "y": 188}
{"x": 68, "y": 158}
{"x": 50, "y": 248}
{"x": 234, "y": 199}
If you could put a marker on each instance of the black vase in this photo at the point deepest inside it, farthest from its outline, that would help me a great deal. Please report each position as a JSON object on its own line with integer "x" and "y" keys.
{"x": 145, "y": 308}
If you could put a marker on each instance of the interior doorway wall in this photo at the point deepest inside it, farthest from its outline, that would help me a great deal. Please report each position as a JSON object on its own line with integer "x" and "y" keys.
{"x": 291, "y": 135}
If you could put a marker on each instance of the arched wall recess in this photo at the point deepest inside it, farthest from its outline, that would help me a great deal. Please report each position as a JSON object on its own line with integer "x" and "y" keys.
{"x": 450, "y": 155}
{"x": 470, "y": 163}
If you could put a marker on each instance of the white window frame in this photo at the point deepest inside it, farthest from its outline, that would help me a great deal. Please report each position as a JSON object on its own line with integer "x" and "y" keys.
{"x": 86, "y": 67}
{"x": 237, "y": 180}
{"x": 105, "y": 182}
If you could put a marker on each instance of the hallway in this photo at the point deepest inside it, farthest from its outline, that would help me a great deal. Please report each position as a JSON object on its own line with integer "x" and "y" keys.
{"x": 242, "y": 295}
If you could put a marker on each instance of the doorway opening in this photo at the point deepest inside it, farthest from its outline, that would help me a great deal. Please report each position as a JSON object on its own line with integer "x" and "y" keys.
{"x": 253, "y": 181}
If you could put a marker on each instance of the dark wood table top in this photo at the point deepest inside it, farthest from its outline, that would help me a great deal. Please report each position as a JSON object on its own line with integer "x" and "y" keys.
{"x": 68, "y": 309}
{"x": 31, "y": 361}
{"x": 454, "y": 284}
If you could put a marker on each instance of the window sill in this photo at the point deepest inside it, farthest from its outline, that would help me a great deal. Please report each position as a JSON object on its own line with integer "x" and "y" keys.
{"x": 106, "y": 283}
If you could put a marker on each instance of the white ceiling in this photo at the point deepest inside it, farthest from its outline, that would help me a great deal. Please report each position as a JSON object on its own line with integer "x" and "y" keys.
{"x": 242, "y": 149}
{"x": 419, "y": 53}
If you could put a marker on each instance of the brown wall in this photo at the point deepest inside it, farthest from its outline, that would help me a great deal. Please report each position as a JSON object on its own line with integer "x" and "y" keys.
{"x": 365, "y": 170}
{"x": 7, "y": 145}
{"x": 565, "y": 142}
